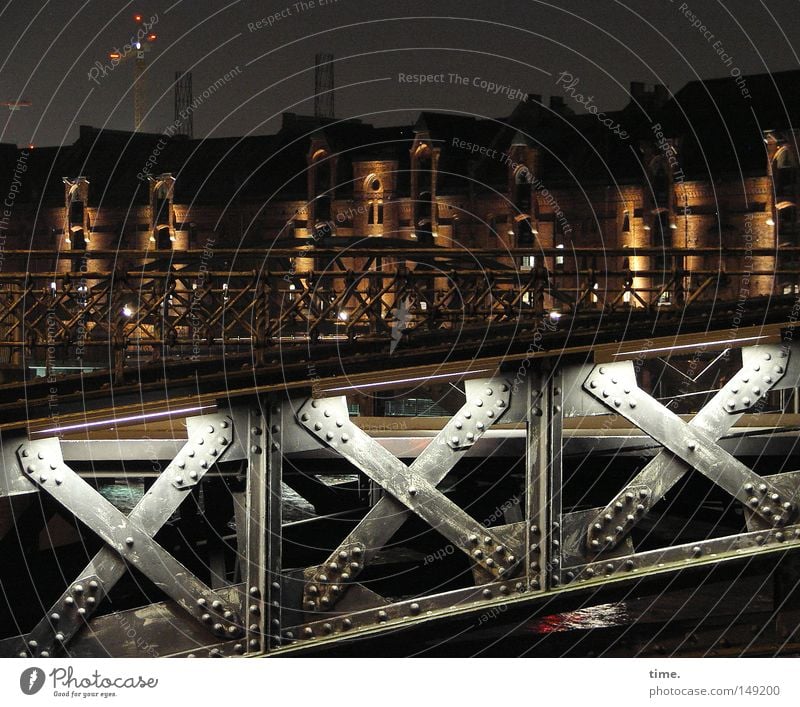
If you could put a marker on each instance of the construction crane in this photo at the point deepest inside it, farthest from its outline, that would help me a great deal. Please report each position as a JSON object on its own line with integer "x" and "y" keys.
{"x": 139, "y": 45}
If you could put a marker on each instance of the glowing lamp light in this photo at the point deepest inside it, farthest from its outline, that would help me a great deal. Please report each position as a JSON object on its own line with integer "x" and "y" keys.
{"x": 127, "y": 311}
{"x": 114, "y": 55}
{"x": 673, "y": 226}
{"x": 137, "y": 17}
{"x": 343, "y": 316}
{"x": 555, "y": 315}
{"x": 770, "y": 221}
{"x": 152, "y": 37}
{"x": 647, "y": 228}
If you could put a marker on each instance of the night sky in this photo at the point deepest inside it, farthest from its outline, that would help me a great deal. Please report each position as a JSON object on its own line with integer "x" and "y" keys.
{"x": 49, "y": 48}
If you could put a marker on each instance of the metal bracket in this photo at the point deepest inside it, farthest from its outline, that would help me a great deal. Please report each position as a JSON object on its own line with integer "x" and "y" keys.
{"x": 128, "y": 538}
{"x": 412, "y": 489}
{"x": 615, "y": 386}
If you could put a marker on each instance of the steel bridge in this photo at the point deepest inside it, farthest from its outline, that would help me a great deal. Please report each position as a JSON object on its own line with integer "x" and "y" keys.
{"x": 275, "y": 509}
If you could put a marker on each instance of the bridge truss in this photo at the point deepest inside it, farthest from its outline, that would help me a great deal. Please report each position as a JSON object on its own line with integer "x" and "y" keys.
{"x": 559, "y": 476}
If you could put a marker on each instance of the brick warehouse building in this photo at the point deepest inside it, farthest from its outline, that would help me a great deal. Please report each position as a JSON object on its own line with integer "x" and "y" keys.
{"x": 704, "y": 168}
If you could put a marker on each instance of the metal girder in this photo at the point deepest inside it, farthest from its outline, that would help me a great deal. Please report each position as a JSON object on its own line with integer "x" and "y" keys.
{"x": 689, "y": 445}
{"x": 129, "y": 539}
{"x": 412, "y": 489}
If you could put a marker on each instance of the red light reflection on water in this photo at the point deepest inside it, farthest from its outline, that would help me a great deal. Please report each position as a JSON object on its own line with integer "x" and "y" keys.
{"x": 602, "y": 616}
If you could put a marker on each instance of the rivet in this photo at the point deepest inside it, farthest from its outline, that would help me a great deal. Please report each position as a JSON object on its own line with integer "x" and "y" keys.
{"x": 69, "y": 601}
{"x": 412, "y": 491}
{"x": 487, "y": 593}
{"x": 308, "y": 632}
{"x": 775, "y": 497}
{"x": 216, "y": 604}
{"x": 632, "y": 403}
{"x": 339, "y": 423}
{"x": 609, "y": 568}
{"x": 129, "y": 541}
{"x": 383, "y": 616}
{"x": 224, "y": 425}
{"x": 697, "y": 551}
{"x": 488, "y": 391}
{"x": 55, "y": 617}
{"x": 347, "y": 623}
{"x": 473, "y": 538}
{"x": 748, "y": 488}
{"x": 617, "y": 402}
{"x": 746, "y": 401}
{"x": 78, "y": 589}
{"x": 193, "y": 474}
{"x": 327, "y": 628}
{"x": 762, "y": 488}
{"x": 345, "y": 437}
{"x": 304, "y": 417}
{"x": 210, "y": 429}
{"x": 414, "y": 608}
{"x": 479, "y": 403}
{"x": 756, "y": 391}
{"x": 629, "y": 564}
{"x": 593, "y": 384}
{"x": 45, "y": 654}
{"x": 60, "y": 637}
{"x": 178, "y": 480}
{"x": 81, "y": 611}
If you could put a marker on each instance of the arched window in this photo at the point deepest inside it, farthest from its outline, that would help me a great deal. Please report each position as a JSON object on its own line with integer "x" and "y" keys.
{"x": 626, "y": 222}
{"x": 78, "y": 239}
{"x": 163, "y": 239}
{"x": 424, "y": 202}
{"x": 660, "y": 182}
{"x": 321, "y": 185}
{"x": 784, "y": 172}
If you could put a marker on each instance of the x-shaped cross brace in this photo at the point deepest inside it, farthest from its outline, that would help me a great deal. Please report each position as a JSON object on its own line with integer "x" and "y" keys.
{"x": 689, "y": 445}
{"x": 129, "y": 539}
{"x": 412, "y": 490}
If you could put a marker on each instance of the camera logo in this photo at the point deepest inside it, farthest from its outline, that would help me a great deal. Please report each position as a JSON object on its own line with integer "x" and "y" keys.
{"x": 31, "y": 680}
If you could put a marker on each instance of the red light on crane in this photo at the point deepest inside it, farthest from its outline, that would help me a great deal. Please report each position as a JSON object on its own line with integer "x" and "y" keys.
{"x": 114, "y": 55}
{"x": 152, "y": 37}
{"x": 137, "y": 17}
